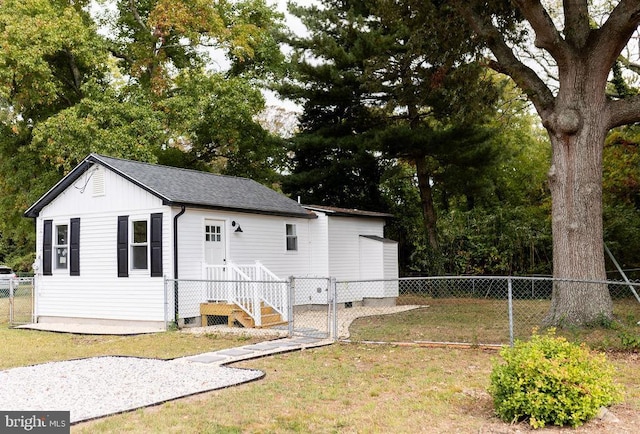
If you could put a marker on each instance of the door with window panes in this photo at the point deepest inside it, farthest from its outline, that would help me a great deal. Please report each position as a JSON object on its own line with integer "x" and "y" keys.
{"x": 214, "y": 243}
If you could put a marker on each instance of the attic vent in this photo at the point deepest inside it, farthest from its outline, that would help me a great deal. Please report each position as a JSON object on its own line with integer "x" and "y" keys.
{"x": 98, "y": 182}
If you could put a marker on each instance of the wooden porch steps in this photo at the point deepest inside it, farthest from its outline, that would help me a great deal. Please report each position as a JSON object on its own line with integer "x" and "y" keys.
{"x": 234, "y": 314}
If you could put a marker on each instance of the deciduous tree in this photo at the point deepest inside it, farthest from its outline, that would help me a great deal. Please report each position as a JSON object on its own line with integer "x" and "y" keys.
{"x": 577, "y": 115}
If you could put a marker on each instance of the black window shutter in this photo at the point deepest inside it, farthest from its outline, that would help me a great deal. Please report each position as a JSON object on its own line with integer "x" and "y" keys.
{"x": 74, "y": 248}
{"x": 123, "y": 246}
{"x": 156, "y": 245}
{"x": 47, "y": 247}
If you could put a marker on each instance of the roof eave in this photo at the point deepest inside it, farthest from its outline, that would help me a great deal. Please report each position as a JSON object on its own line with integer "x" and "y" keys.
{"x": 338, "y": 213}
{"x": 34, "y": 210}
{"x": 308, "y": 216}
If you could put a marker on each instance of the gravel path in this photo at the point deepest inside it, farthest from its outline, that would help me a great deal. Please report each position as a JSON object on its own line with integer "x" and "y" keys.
{"x": 101, "y": 386}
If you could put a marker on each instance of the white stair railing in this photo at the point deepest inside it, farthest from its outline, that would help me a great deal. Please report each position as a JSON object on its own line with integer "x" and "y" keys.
{"x": 248, "y": 286}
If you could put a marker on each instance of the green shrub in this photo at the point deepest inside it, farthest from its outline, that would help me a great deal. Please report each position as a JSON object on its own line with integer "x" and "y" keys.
{"x": 629, "y": 340}
{"x": 551, "y": 381}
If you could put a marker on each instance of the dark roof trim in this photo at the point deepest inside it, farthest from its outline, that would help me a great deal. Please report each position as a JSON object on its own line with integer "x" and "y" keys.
{"x": 346, "y": 212}
{"x": 35, "y": 209}
{"x": 309, "y": 216}
{"x": 56, "y": 190}
{"x": 381, "y": 239}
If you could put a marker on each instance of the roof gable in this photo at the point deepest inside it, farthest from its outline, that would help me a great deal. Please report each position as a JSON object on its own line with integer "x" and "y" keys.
{"x": 184, "y": 187}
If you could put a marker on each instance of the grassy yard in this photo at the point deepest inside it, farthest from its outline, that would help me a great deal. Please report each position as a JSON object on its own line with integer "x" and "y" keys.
{"x": 342, "y": 388}
{"x": 354, "y": 388}
{"x": 29, "y": 347}
{"x": 485, "y": 321}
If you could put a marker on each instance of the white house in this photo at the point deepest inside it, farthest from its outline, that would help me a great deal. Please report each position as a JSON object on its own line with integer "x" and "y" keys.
{"x": 112, "y": 230}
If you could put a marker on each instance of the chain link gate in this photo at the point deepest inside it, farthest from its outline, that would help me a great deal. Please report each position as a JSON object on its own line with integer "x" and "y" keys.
{"x": 312, "y": 307}
{"x": 21, "y": 300}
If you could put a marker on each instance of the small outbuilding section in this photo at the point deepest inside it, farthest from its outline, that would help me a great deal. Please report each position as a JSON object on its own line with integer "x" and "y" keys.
{"x": 112, "y": 232}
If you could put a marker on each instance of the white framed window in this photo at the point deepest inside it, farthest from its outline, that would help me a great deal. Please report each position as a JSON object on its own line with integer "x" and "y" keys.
{"x": 139, "y": 244}
{"x": 61, "y": 246}
{"x": 291, "y": 237}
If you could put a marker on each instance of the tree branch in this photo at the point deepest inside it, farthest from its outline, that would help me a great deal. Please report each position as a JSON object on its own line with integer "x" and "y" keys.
{"x": 525, "y": 77}
{"x": 119, "y": 55}
{"x": 631, "y": 66}
{"x": 547, "y": 36}
{"x": 136, "y": 15}
{"x": 75, "y": 72}
{"x": 576, "y": 22}
{"x": 610, "y": 39}
{"x": 624, "y": 111}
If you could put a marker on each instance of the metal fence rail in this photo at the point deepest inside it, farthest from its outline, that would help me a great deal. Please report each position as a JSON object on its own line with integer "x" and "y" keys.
{"x": 463, "y": 309}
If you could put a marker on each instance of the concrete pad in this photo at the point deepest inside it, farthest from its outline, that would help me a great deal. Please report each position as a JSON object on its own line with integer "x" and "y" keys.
{"x": 235, "y": 352}
{"x": 93, "y": 329}
{"x": 307, "y": 340}
{"x": 205, "y": 358}
{"x": 264, "y": 346}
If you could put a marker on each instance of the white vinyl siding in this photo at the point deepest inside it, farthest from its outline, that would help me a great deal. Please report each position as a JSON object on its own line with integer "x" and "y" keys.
{"x": 262, "y": 239}
{"x": 344, "y": 244}
{"x": 98, "y": 292}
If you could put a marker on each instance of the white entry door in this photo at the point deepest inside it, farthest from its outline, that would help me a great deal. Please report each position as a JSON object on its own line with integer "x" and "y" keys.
{"x": 214, "y": 243}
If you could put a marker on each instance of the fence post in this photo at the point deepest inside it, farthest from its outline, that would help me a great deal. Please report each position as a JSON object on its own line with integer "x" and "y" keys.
{"x": 510, "y": 296}
{"x": 166, "y": 304}
{"x": 333, "y": 316}
{"x": 291, "y": 294}
{"x": 11, "y": 313}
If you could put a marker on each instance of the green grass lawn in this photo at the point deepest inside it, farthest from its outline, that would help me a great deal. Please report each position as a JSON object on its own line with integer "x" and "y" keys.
{"x": 485, "y": 321}
{"x": 29, "y": 347}
{"x": 353, "y": 388}
{"x": 344, "y": 387}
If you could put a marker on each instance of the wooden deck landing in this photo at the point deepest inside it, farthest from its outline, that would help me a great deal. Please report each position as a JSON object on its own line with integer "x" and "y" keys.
{"x": 235, "y": 314}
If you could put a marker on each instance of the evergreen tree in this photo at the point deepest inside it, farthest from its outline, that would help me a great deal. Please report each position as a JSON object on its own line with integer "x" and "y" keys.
{"x": 332, "y": 158}
{"x": 380, "y": 81}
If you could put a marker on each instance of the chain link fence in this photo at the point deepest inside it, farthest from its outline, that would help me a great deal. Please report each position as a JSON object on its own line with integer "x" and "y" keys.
{"x": 472, "y": 310}
{"x": 16, "y": 300}
{"x": 465, "y": 310}
{"x": 461, "y": 310}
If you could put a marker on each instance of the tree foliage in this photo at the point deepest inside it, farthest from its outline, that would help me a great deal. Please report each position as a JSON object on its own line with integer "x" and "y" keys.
{"x": 621, "y": 187}
{"x": 383, "y": 84}
{"x": 134, "y": 82}
{"x": 332, "y": 160}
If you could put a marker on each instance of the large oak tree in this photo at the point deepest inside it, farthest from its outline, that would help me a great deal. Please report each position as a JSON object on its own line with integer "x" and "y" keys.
{"x": 577, "y": 116}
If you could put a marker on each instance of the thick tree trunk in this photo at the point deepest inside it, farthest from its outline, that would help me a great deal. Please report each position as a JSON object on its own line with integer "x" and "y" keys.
{"x": 575, "y": 179}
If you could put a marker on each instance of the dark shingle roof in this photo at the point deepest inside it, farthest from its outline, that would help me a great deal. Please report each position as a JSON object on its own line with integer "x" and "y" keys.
{"x": 191, "y": 188}
{"x": 347, "y": 212}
